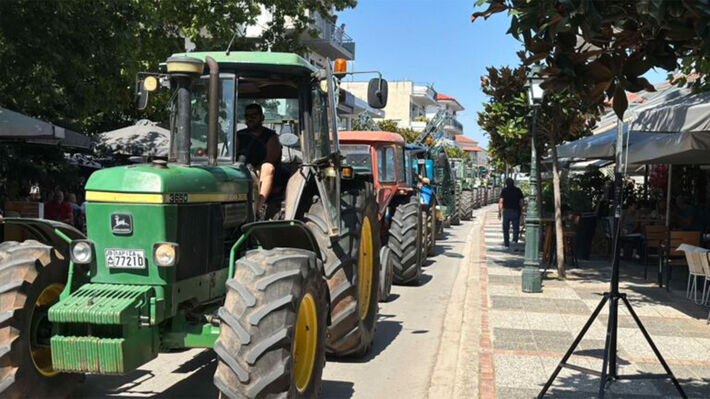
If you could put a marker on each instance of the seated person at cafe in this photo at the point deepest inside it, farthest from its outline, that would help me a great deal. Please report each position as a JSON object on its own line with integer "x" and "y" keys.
{"x": 262, "y": 150}
{"x": 685, "y": 216}
{"x": 58, "y": 209}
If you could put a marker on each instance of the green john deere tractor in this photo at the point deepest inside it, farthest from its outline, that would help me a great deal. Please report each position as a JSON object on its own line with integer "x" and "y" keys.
{"x": 177, "y": 255}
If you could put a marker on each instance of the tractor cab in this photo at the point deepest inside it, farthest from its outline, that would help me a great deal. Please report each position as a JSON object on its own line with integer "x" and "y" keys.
{"x": 381, "y": 154}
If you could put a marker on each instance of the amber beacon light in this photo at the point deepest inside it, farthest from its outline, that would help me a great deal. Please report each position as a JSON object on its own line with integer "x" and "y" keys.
{"x": 340, "y": 68}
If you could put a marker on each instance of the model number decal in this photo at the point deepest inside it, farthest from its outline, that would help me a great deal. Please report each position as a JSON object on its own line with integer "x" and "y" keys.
{"x": 177, "y": 198}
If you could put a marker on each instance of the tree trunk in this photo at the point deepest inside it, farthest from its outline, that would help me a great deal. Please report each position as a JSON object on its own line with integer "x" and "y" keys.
{"x": 559, "y": 231}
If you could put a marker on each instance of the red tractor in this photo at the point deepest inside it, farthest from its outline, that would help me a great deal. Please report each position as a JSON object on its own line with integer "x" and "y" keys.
{"x": 382, "y": 154}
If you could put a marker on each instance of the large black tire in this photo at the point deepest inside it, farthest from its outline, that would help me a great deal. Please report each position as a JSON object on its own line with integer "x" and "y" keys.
{"x": 386, "y": 270}
{"x": 430, "y": 229}
{"x": 405, "y": 241}
{"x": 259, "y": 324}
{"x": 349, "y": 334}
{"x": 27, "y": 270}
{"x": 466, "y": 205}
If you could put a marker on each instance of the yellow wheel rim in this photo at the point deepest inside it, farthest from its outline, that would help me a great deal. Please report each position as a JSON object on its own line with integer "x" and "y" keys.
{"x": 41, "y": 354}
{"x": 305, "y": 342}
{"x": 364, "y": 270}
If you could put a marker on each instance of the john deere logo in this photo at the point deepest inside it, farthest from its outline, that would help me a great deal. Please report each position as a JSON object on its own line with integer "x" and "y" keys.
{"x": 121, "y": 224}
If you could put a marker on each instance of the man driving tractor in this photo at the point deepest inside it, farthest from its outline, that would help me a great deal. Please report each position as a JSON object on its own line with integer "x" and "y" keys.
{"x": 261, "y": 148}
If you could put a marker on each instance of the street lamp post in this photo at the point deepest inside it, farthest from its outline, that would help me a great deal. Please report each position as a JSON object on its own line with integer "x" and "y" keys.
{"x": 532, "y": 278}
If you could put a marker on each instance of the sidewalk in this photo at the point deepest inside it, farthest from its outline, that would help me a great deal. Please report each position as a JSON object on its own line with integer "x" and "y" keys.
{"x": 531, "y": 332}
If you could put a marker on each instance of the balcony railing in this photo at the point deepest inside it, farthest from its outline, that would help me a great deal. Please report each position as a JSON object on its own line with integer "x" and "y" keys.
{"x": 331, "y": 40}
{"x": 454, "y": 124}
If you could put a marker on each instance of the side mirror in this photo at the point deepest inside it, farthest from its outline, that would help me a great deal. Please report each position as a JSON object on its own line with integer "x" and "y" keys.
{"x": 141, "y": 97}
{"x": 377, "y": 93}
{"x": 289, "y": 140}
{"x": 143, "y": 88}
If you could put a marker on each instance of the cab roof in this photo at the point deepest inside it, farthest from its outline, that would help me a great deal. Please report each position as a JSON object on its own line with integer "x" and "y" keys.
{"x": 251, "y": 59}
{"x": 369, "y": 136}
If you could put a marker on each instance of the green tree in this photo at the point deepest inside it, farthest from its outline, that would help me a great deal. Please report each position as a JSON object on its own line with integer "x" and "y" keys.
{"x": 562, "y": 116}
{"x": 457, "y": 152}
{"x": 389, "y": 125}
{"x": 74, "y": 63}
{"x": 604, "y": 47}
{"x": 506, "y": 116}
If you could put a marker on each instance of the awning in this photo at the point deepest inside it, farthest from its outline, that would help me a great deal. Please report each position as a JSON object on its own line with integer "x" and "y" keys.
{"x": 598, "y": 146}
{"x": 679, "y": 132}
{"x": 143, "y": 138}
{"x": 15, "y": 126}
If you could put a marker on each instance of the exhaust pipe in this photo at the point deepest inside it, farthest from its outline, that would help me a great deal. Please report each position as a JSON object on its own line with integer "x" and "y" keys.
{"x": 212, "y": 111}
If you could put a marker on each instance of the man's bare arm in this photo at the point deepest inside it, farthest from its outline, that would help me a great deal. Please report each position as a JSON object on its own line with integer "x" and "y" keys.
{"x": 268, "y": 170}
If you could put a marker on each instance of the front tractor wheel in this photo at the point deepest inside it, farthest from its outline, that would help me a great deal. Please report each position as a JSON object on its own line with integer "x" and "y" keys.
{"x": 32, "y": 275}
{"x": 273, "y": 326}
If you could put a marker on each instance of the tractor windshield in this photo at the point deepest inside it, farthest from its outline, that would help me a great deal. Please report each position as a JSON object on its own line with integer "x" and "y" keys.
{"x": 357, "y": 156}
{"x": 225, "y": 125}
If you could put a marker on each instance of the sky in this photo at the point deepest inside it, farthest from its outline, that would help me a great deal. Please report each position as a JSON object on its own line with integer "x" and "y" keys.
{"x": 434, "y": 41}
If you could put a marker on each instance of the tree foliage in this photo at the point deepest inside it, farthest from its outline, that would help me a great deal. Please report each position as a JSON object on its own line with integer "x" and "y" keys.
{"x": 506, "y": 117}
{"x": 457, "y": 152}
{"x": 604, "y": 47}
{"x": 74, "y": 63}
{"x": 389, "y": 125}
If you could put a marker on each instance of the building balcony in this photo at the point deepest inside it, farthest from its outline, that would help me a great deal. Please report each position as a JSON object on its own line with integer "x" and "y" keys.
{"x": 417, "y": 126}
{"x": 329, "y": 41}
{"x": 453, "y": 127}
{"x": 423, "y": 96}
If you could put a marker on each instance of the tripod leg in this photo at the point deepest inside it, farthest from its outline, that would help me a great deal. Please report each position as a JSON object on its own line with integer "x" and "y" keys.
{"x": 654, "y": 348}
{"x": 613, "y": 322}
{"x": 608, "y": 344}
{"x": 573, "y": 346}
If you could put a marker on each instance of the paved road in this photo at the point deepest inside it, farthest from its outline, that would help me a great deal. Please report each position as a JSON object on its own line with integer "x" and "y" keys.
{"x": 402, "y": 362}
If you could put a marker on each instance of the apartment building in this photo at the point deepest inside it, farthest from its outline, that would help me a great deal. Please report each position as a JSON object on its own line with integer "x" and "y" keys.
{"x": 330, "y": 41}
{"x": 478, "y": 155}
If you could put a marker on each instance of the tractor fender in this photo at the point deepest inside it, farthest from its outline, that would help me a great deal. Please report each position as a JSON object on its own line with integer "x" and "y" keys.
{"x": 42, "y": 230}
{"x": 271, "y": 234}
{"x": 294, "y": 191}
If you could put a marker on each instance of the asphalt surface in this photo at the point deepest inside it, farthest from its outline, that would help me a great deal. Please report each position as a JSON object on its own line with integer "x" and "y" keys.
{"x": 402, "y": 362}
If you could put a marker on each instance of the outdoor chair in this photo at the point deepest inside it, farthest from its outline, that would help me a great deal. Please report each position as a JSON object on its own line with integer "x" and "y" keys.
{"x": 674, "y": 257}
{"x": 705, "y": 265}
{"x": 654, "y": 236}
{"x": 694, "y": 256}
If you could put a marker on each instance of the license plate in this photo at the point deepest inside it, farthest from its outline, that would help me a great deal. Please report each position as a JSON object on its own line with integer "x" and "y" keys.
{"x": 125, "y": 258}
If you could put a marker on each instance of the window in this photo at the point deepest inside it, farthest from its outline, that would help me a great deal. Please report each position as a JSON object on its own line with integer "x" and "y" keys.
{"x": 385, "y": 164}
{"x": 319, "y": 116}
{"x": 357, "y": 156}
{"x": 225, "y": 123}
{"x": 399, "y": 163}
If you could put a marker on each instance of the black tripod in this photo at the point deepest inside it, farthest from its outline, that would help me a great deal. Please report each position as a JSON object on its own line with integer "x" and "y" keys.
{"x": 609, "y": 372}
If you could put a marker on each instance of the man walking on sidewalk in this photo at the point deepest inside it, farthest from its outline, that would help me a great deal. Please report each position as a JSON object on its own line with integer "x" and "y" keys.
{"x": 509, "y": 207}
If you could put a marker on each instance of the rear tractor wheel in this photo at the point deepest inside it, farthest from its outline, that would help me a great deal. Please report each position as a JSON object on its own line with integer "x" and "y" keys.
{"x": 32, "y": 275}
{"x": 273, "y": 326}
{"x": 466, "y": 205}
{"x": 352, "y": 269}
{"x": 405, "y": 240}
{"x": 386, "y": 270}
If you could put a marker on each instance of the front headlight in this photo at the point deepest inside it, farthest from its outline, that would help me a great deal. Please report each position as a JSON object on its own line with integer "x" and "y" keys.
{"x": 81, "y": 252}
{"x": 165, "y": 254}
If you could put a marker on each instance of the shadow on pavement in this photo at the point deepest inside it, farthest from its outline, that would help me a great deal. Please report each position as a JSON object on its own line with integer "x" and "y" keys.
{"x": 386, "y": 332}
{"x": 337, "y": 389}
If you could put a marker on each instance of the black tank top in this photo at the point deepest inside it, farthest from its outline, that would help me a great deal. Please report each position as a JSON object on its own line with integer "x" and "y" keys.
{"x": 254, "y": 147}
